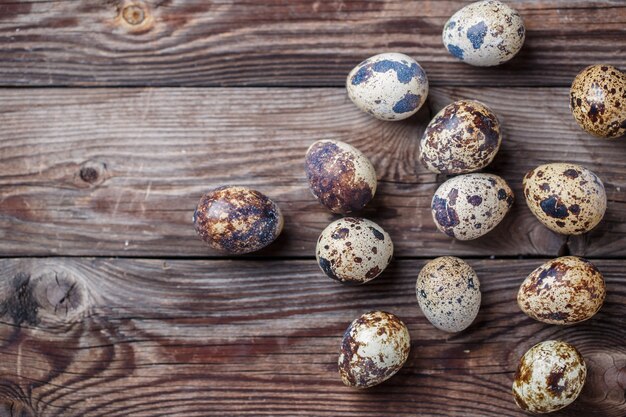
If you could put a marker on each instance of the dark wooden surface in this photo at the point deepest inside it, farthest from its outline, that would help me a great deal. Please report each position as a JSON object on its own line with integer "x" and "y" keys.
{"x": 111, "y": 306}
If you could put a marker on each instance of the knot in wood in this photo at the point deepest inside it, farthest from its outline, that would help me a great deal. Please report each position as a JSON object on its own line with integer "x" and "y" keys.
{"x": 133, "y": 14}
{"x": 92, "y": 172}
{"x": 135, "y": 17}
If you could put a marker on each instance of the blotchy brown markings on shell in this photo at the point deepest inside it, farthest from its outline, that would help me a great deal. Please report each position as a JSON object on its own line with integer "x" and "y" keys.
{"x": 556, "y": 271}
{"x": 349, "y": 349}
{"x": 553, "y": 382}
{"x": 335, "y": 184}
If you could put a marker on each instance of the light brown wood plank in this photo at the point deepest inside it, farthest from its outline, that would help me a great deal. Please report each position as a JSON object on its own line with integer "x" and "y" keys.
{"x": 197, "y": 338}
{"x": 155, "y": 151}
{"x": 280, "y": 42}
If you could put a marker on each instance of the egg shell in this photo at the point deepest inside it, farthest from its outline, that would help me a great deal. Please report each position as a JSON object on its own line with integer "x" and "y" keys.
{"x": 598, "y": 101}
{"x": 373, "y": 349}
{"x": 340, "y": 176}
{"x": 237, "y": 220}
{"x": 389, "y": 86}
{"x": 549, "y": 377}
{"x": 448, "y": 292}
{"x": 484, "y": 33}
{"x": 565, "y": 290}
{"x": 353, "y": 250}
{"x": 463, "y": 137}
{"x": 469, "y": 206}
{"x": 567, "y": 198}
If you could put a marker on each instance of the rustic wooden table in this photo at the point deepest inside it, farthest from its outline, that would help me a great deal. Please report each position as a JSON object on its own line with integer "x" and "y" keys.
{"x": 111, "y": 306}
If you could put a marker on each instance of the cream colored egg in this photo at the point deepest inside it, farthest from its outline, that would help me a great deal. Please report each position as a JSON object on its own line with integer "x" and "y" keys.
{"x": 374, "y": 347}
{"x": 448, "y": 292}
{"x": 565, "y": 290}
{"x": 469, "y": 206}
{"x": 567, "y": 198}
{"x": 353, "y": 250}
{"x": 389, "y": 86}
{"x": 549, "y": 377}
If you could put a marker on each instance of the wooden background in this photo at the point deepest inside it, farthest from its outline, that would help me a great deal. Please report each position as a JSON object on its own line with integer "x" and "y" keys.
{"x": 111, "y": 306}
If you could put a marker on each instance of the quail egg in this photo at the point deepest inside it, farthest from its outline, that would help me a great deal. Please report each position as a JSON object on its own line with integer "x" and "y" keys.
{"x": 484, "y": 33}
{"x": 549, "y": 377}
{"x": 463, "y": 137}
{"x": 565, "y": 290}
{"x": 469, "y": 206}
{"x": 353, "y": 250}
{"x": 237, "y": 220}
{"x": 373, "y": 349}
{"x": 567, "y": 198}
{"x": 448, "y": 292}
{"x": 340, "y": 176}
{"x": 598, "y": 101}
{"x": 389, "y": 86}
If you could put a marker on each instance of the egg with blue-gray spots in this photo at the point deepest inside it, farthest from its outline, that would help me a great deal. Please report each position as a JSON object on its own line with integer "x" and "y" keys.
{"x": 448, "y": 293}
{"x": 237, "y": 220}
{"x": 353, "y": 250}
{"x": 389, "y": 86}
{"x": 567, "y": 198}
{"x": 463, "y": 137}
{"x": 485, "y": 33}
{"x": 471, "y": 205}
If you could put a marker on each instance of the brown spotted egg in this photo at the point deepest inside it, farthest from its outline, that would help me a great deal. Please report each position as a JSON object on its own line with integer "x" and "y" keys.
{"x": 549, "y": 377}
{"x": 469, "y": 206}
{"x": 598, "y": 101}
{"x": 373, "y": 349}
{"x": 565, "y": 290}
{"x": 389, "y": 86}
{"x": 353, "y": 250}
{"x": 567, "y": 198}
{"x": 463, "y": 137}
{"x": 448, "y": 292}
{"x": 340, "y": 176}
{"x": 237, "y": 220}
{"x": 484, "y": 33}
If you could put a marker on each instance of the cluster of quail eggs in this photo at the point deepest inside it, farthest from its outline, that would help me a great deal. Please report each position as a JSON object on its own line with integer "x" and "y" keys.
{"x": 463, "y": 138}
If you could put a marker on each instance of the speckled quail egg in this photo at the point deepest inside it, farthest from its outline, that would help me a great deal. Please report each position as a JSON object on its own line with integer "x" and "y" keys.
{"x": 237, "y": 220}
{"x": 484, "y": 33}
{"x": 448, "y": 292}
{"x": 340, "y": 176}
{"x": 567, "y": 198}
{"x": 389, "y": 86}
{"x": 353, "y": 250}
{"x": 374, "y": 347}
{"x": 463, "y": 137}
{"x": 469, "y": 206}
{"x": 598, "y": 101}
{"x": 565, "y": 290}
{"x": 549, "y": 377}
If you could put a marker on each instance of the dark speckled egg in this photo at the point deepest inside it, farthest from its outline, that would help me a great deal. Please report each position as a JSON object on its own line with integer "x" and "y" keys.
{"x": 463, "y": 137}
{"x": 598, "y": 101}
{"x": 237, "y": 220}
{"x": 567, "y": 198}
{"x": 340, "y": 176}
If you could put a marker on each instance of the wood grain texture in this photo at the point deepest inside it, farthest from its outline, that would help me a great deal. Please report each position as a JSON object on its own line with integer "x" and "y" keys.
{"x": 85, "y": 337}
{"x": 284, "y": 42}
{"x": 118, "y": 172}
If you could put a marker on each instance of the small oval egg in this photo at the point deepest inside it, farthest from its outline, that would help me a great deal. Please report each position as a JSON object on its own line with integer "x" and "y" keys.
{"x": 549, "y": 377}
{"x": 237, "y": 220}
{"x": 374, "y": 347}
{"x": 463, "y": 137}
{"x": 598, "y": 101}
{"x": 340, "y": 176}
{"x": 567, "y": 198}
{"x": 353, "y": 250}
{"x": 565, "y": 290}
{"x": 469, "y": 206}
{"x": 484, "y": 33}
{"x": 448, "y": 292}
{"x": 389, "y": 86}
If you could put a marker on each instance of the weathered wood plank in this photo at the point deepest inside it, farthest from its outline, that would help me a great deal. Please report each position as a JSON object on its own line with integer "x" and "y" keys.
{"x": 295, "y": 42}
{"x": 111, "y": 172}
{"x": 85, "y": 337}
